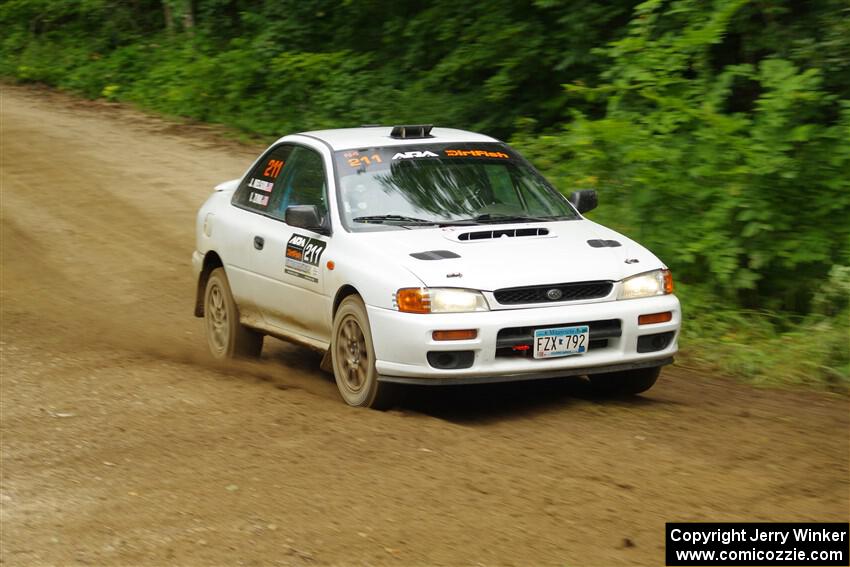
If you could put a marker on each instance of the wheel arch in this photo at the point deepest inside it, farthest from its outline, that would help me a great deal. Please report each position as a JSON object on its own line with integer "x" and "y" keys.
{"x": 211, "y": 261}
{"x": 343, "y": 292}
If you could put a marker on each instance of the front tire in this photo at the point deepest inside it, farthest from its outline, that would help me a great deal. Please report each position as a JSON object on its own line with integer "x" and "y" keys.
{"x": 626, "y": 383}
{"x": 353, "y": 358}
{"x": 226, "y": 336}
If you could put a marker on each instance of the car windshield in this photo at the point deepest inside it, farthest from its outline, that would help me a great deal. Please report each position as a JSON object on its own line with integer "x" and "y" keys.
{"x": 443, "y": 184}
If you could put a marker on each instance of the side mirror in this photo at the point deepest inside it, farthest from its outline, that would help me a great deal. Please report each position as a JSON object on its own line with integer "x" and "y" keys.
{"x": 584, "y": 200}
{"x": 304, "y": 216}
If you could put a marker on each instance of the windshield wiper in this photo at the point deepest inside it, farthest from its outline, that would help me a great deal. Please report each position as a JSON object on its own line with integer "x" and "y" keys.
{"x": 394, "y": 219}
{"x": 489, "y": 218}
{"x": 403, "y": 220}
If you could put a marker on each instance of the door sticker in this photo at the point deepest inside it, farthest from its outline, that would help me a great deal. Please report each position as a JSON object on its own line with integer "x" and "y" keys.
{"x": 302, "y": 257}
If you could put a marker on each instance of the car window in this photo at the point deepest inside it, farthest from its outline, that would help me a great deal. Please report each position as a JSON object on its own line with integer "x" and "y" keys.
{"x": 437, "y": 183}
{"x": 537, "y": 201}
{"x": 502, "y": 186}
{"x": 257, "y": 189}
{"x": 304, "y": 183}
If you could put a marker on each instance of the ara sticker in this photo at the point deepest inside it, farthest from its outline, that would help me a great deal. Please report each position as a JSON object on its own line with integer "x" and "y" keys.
{"x": 476, "y": 153}
{"x": 261, "y": 185}
{"x": 302, "y": 257}
{"x": 259, "y": 199}
{"x": 414, "y": 154}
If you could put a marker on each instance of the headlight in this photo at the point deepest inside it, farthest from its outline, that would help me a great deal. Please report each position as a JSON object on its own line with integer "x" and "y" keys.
{"x": 657, "y": 282}
{"x": 439, "y": 300}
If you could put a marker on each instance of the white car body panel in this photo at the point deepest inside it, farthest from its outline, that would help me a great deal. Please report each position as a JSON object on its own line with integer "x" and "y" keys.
{"x": 292, "y": 303}
{"x": 376, "y": 264}
{"x": 224, "y": 224}
{"x": 561, "y": 256}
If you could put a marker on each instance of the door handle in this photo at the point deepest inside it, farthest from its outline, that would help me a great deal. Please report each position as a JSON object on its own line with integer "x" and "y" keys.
{"x": 259, "y": 242}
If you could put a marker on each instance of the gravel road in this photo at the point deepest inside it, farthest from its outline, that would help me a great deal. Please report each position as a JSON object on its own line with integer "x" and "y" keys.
{"x": 123, "y": 445}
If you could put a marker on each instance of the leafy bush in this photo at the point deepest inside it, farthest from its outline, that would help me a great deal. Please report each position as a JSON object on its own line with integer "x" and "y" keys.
{"x": 755, "y": 202}
{"x": 747, "y": 200}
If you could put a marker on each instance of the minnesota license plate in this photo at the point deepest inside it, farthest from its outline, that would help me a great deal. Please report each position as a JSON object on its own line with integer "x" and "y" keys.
{"x": 561, "y": 341}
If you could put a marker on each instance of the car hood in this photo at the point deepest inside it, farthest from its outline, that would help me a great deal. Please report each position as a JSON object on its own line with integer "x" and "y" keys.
{"x": 491, "y": 257}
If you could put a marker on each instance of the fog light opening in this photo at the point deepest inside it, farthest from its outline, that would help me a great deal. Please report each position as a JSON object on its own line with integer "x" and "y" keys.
{"x": 451, "y": 359}
{"x": 446, "y": 359}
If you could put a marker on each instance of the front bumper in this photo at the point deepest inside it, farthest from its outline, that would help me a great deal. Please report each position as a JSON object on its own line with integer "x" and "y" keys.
{"x": 402, "y": 341}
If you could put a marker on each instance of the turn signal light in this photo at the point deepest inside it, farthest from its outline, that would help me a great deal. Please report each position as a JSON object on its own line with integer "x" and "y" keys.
{"x": 413, "y": 300}
{"x": 668, "y": 282}
{"x": 461, "y": 335}
{"x": 655, "y": 318}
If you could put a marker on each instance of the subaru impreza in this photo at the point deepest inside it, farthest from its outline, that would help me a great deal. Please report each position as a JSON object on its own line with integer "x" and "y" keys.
{"x": 421, "y": 255}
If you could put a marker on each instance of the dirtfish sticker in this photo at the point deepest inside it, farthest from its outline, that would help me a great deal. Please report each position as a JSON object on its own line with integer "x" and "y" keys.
{"x": 476, "y": 153}
{"x": 302, "y": 257}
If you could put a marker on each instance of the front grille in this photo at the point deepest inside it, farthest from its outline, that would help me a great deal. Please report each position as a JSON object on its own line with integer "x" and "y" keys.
{"x": 566, "y": 292}
{"x": 512, "y": 341}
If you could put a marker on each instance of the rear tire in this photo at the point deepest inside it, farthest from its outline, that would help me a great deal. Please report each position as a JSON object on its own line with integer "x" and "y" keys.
{"x": 626, "y": 383}
{"x": 353, "y": 358}
{"x": 226, "y": 336}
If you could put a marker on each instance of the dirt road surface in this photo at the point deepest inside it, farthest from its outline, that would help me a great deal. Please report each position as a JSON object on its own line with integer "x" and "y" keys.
{"x": 122, "y": 445}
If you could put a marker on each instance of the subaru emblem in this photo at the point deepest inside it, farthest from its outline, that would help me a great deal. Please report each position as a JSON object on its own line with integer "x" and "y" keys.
{"x": 554, "y": 294}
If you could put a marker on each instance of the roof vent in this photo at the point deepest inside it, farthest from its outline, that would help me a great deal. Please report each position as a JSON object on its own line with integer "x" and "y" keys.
{"x": 503, "y": 233}
{"x": 411, "y": 131}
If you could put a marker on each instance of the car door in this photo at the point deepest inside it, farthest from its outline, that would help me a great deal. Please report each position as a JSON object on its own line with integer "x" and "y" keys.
{"x": 250, "y": 201}
{"x": 289, "y": 286}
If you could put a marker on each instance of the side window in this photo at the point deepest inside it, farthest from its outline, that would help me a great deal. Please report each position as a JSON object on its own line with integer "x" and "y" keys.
{"x": 258, "y": 188}
{"x": 303, "y": 184}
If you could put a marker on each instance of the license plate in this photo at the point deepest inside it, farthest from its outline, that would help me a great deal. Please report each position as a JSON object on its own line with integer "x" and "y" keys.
{"x": 561, "y": 341}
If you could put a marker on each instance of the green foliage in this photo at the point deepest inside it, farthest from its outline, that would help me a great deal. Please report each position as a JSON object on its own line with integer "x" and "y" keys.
{"x": 755, "y": 201}
{"x": 291, "y": 65}
{"x": 736, "y": 172}
{"x": 768, "y": 347}
{"x": 717, "y": 132}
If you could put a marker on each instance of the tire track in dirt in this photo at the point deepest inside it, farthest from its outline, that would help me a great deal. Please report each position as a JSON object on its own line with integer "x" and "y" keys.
{"x": 122, "y": 445}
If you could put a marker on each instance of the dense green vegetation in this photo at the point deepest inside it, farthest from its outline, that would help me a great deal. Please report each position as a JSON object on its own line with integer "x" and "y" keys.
{"x": 717, "y": 133}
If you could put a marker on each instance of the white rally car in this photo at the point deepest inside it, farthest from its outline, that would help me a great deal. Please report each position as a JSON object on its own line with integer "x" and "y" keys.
{"x": 419, "y": 255}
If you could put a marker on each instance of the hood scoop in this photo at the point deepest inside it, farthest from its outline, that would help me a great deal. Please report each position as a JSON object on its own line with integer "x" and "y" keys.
{"x": 435, "y": 255}
{"x": 502, "y": 233}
